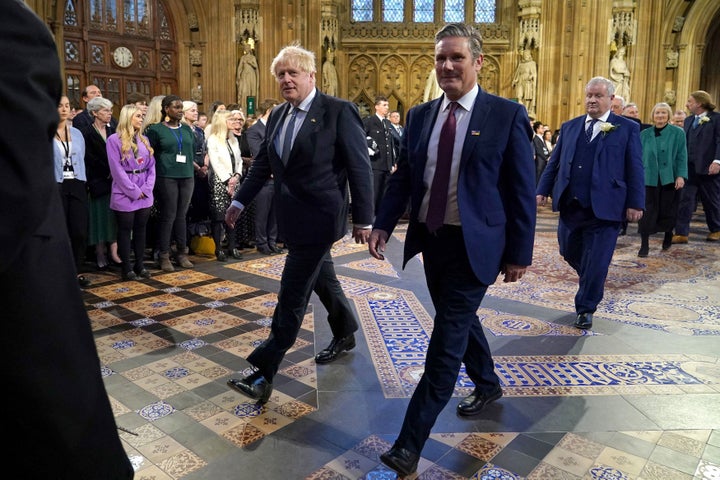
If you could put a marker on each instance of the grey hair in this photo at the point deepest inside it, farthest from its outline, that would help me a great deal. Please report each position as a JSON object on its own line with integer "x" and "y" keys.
{"x": 602, "y": 81}
{"x": 473, "y": 36}
{"x": 295, "y": 56}
{"x": 98, "y": 103}
{"x": 662, "y": 106}
{"x": 622, "y": 100}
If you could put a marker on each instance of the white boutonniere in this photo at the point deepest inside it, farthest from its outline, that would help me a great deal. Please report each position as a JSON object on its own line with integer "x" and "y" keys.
{"x": 704, "y": 119}
{"x": 607, "y": 127}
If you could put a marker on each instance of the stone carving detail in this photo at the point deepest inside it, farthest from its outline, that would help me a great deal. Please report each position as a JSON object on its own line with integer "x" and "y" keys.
{"x": 678, "y": 24}
{"x": 195, "y": 57}
{"x": 193, "y": 24}
{"x": 373, "y": 30}
{"x": 671, "y": 57}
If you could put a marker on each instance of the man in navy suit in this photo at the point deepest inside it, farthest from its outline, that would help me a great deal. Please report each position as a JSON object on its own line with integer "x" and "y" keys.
{"x": 266, "y": 230}
{"x": 56, "y": 407}
{"x": 702, "y": 130}
{"x": 596, "y": 180}
{"x": 314, "y": 148}
{"x": 466, "y": 165}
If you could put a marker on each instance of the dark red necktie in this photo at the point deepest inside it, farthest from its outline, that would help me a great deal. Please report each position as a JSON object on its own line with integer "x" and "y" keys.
{"x": 440, "y": 184}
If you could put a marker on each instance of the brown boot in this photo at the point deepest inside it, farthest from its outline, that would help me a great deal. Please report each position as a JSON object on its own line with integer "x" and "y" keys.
{"x": 165, "y": 264}
{"x": 182, "y": 259}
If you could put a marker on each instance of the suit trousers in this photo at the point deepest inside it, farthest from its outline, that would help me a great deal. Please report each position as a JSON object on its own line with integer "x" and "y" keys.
{"x": 266, "y": 228}
{"x": 457, "y": 335}
{"x": 380, "y": 178}
{"x": 707, "y": 187}
{"x": 307, "y": 268}
{"x": 587, "y": 244}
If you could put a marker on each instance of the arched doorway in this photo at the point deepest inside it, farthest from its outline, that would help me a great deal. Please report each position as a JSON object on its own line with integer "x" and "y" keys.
{"x": 122, "y": 46}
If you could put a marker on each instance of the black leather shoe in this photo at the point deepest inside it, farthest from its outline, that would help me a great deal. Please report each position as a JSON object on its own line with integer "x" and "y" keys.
{"x": 144, "y": 274}
{"x": 584, "y": 321}
{"x": 265, "y": 250}
{"x": 476, "y": 401}
{"x": 337, "y": 346}
{"x": 644, "y": 251}
{"x": 129, "y": 276}
{"x": 254, "y": 386}
{"x": 236, "y": 254}
{"x": 402, "y": 461}
{"x": 221, "y": 256}
{"x": 277, "y": 249}
{"x": 83, "y": 282}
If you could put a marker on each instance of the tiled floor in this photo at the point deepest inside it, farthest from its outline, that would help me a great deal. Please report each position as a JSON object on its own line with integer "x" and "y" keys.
{"x": 638, "y": 397}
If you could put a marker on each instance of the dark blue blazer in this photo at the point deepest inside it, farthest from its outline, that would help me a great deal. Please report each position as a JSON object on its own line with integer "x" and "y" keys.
{"x": 618, "y": 180}
{"x": 311, "y": 191}
{"x": 496, "y": 184}
{"x": 705, "y": 142}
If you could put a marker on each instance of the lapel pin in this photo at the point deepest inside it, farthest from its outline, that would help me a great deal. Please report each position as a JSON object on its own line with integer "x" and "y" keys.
{"x": 312, "y": 120}
{"x": 475, "y": 133}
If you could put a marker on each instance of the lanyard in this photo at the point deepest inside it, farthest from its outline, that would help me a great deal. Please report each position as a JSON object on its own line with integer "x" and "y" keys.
{"x": 232, "y": 154}
{"x": 178, "y": 137}
{"x": 66, "y": 145}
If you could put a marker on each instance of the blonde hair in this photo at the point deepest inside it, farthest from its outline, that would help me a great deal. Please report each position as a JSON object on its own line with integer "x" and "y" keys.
{"x": 662, "y": 106}
{"x": 127, "y": 134}
{"x": 295, "y": 56}
{"x": 187, "y": 105}
{"x": 219, "y": 126}
{"x": 154, "y": 112}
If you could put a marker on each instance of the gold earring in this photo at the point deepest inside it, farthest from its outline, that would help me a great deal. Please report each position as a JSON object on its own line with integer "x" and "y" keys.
{"x": 167, "y": 119}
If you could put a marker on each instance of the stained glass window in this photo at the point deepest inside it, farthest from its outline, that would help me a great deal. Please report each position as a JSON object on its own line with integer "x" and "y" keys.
{"x": 454, "y": 11}
{"x": 362, "y": 10}
{"x": 484, "y": 11}
{"x": 393, "y": 10}
{"x": 424, "y": 11}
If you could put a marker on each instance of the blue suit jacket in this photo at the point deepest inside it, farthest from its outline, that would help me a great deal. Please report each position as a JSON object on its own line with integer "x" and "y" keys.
{"x": 618, "y": 180}
{"x": 495, "y": 184}
{"x": 705, "y": 142}
{"x": 311, "y": 191}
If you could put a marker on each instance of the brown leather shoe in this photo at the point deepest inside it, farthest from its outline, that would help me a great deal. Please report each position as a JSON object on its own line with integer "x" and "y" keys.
{"x": 713, "y": 237}
{"x": 679, "y": 239}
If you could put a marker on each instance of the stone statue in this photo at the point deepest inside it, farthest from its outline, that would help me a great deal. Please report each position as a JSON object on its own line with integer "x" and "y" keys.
{"x": 525, "y": 81}
{"x": 620, "y": 74}
{"x": 432, "y": 89}
{"x": 247, "y": 74}
{"x": 329, "y": 74}
{"x": 671, "y": 58}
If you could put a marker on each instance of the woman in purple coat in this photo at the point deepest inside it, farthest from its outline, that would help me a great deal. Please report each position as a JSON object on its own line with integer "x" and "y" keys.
{"x": 132, "y": 167}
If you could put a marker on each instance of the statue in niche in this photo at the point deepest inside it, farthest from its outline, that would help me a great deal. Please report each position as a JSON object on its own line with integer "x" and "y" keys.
{"x": 670, "y": 97}
{"x": 329, "y": 74}
{"x": 671, "y": 58}
{"x": 195, "y": 57}
{"x": 525, "y": 81}
{"x": 432, "y": 89}
{"x": 247, "y": 73}
{"x": 620, "y": 74}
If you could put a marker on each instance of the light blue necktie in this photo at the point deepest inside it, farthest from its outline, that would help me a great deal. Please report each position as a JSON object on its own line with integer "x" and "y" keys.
{"x": 696, "y": 122}
{"x": 287, "y": 141}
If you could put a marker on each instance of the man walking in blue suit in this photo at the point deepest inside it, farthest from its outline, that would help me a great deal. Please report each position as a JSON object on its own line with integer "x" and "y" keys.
{"x": 596, "y": 180}
{"x": 466, "y": 165}
{"x": 314, "y": 148}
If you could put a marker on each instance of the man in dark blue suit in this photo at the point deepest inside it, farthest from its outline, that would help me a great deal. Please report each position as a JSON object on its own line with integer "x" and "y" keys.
{"x": 466, "y": 165}
{"x": 382, "y": 160}
{"x": 702, "y": 130}
{"x": 56, "y": 407}
{"x": 596, "y": 179}
{"x": 314, "y": 148}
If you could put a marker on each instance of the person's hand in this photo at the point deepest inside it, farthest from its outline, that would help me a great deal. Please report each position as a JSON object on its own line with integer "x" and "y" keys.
{"x": 512, "y": 273}
{"x": 231, "y": 215}
{"x": 634, "y": 215}
{"x": 540, "y": 200}
{"x": 714, "y": 168}
{"x": 376, "y": 243}
{"x": 361, "y": 235}
{"x": 679, "y": 183}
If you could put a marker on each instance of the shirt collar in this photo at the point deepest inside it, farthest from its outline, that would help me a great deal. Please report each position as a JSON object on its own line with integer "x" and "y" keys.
{"x": 305, "y": 104}
{"x": 466, "y": 101}
{"x": 602, "y": 118}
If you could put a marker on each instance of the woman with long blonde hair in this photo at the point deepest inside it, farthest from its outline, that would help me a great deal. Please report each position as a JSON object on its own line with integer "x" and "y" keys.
{"x": 223, "y": 151}
{"x": 132, "y": 166}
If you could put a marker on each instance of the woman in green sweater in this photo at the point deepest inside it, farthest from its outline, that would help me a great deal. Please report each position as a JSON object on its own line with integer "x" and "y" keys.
{"x": 665, "y": 162}
{"x": 174, "y": 146}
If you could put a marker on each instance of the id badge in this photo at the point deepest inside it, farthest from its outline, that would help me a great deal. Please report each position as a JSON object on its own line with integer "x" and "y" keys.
{"x": 68, "y": 174}
{"x": 180, "y": 158}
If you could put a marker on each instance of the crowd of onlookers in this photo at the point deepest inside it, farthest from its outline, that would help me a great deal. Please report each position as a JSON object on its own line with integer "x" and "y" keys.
{"x": 159, "y": 178}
